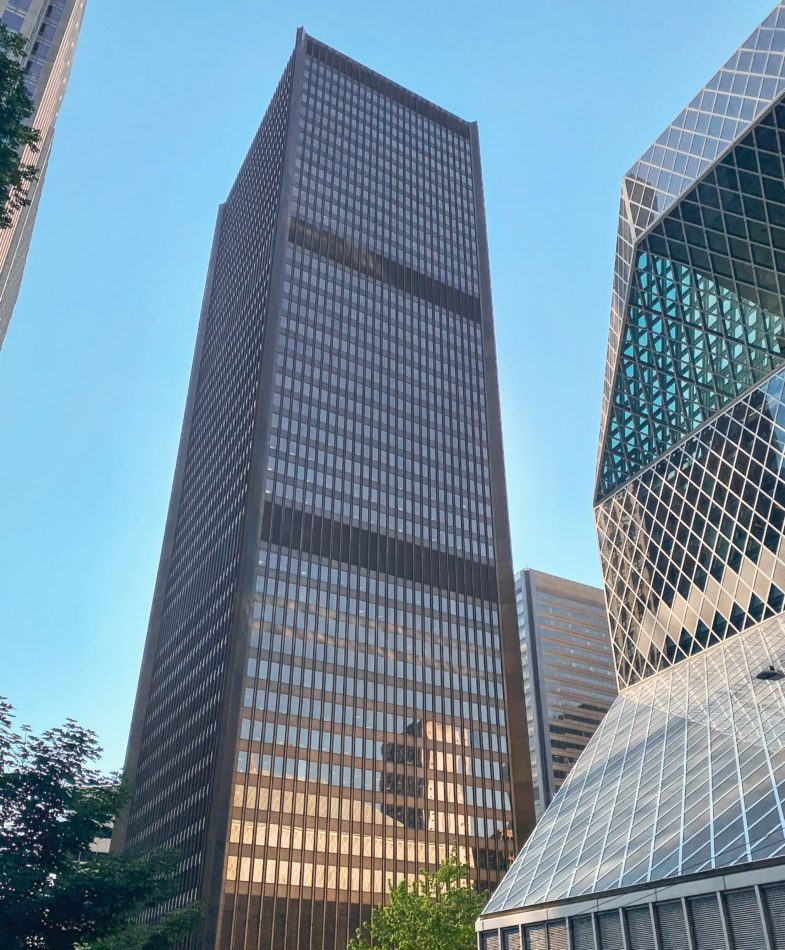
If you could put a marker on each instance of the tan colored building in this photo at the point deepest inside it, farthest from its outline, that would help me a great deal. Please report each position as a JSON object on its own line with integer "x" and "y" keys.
{"x": 52, "y": 28}
{"x": 568, "y": 673}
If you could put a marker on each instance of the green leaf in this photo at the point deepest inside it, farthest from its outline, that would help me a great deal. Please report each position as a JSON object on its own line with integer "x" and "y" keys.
{"x": 53, "y": 892}
{"x": 16, "y": 134}
{"x": 436, "y": 912}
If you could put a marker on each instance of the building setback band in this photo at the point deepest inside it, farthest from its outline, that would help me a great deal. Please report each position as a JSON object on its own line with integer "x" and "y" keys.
{"x": 359, "y": 547}
{"x": 390, "y": 272}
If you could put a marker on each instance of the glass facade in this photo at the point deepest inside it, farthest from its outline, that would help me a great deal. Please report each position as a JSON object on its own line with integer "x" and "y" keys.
{"x": 723, "y": 110}
{"x": 689, "y": 492}
{"x": 683, "y": 776}
{"x": 683, "y": 779}
{"x": 705, "y": 314}
{"x": 52, "y": 30}
{"x": 569, "y": 677}
{"x": 693, "y": 547}
{"x": 355, "y": 638}
{"x": 175, "y": 747}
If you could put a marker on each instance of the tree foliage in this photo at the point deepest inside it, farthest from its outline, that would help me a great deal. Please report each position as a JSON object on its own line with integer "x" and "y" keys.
{"x": 16, "y": 107}
{"x": 159, "y": 936}
{"x": 53, "y": 805}
{"x": 437, "y": 912}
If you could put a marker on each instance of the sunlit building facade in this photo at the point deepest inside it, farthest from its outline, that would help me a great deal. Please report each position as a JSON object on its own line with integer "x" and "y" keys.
{"x": 331, "y": 684}
{"x": 670, "y": 830}
{"x": 569, "y": 678}
{"x": 52, "y": 30}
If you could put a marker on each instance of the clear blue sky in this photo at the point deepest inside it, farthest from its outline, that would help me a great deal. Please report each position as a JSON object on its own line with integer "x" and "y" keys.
{"x": 161, "y": 107}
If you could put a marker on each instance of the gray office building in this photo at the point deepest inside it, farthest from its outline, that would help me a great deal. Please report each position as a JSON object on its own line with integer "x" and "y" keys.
{"x": 52, "y": 30}
{"x": 669, "y": 831}
{"x": 332, "y": 677}
{"x": 569, "y": 677}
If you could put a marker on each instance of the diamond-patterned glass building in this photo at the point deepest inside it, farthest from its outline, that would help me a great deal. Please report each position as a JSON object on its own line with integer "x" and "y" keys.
{"x": 670, "y": 831}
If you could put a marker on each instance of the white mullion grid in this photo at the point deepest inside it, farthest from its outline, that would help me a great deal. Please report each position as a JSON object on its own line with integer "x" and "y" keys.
{"x": 635, "y": 593}
{"x": 620, "y": 771}
{"x": 658, "y": 807}
{"x": 649, "y": 557}
{"x": 562, "y": 798}
{"x": 552, "y": 817}
{"x": 680, "y": 494}
{"x": 690, "y": 696}
{"x": 686, "y": 674}
{"x": 633, "y": 812}
{"x": 710, "y": 769}
{"x": 739, "y": 782}
{"x": 769, "y": 767}
{"x": 697, "y": 711}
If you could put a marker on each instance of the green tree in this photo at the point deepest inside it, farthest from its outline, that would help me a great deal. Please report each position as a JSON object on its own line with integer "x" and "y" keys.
{"x": 437, "y": 912}
{"x": 53, "y": 894}
{"x": 16, "y": 107}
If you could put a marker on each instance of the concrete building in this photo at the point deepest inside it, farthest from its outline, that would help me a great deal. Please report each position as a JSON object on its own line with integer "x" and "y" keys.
{"x": 569, "y": 677}
{"x": 52, "y": 28}
{"x": 332, "y": 674}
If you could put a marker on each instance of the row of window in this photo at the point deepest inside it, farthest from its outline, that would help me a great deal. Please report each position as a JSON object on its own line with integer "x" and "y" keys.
{"x": 350, "y": 745}
{"x": 743, "y": 919}
{"x": 346, "y": 776}
{"x": 387, "y": 597}
{"x": 447, "y": 250}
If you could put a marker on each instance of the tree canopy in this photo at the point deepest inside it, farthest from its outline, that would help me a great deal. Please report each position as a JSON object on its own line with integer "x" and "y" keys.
{"x": 54, "y": 894}
{"x": 16, "y": 134}
{"x": 436, "y": 912}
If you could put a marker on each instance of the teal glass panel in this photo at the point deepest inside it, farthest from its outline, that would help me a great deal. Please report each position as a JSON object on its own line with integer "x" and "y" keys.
{"x": 704, "y": 320}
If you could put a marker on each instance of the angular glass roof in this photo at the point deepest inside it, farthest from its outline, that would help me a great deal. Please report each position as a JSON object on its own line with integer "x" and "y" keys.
{"x": 682, "y": 776}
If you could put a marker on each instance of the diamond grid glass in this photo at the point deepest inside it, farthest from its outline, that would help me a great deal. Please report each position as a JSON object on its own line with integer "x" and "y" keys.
{"x": 705, "y": 315}
{"x": 732, "y": 100}
{"x": 683, "y": 776}
{"x": 692, "y": 548}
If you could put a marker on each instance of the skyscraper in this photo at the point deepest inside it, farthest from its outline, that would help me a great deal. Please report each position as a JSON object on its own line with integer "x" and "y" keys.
{"x": 569, "y": 678}
{"x": 673, "y": 819}
{"x": 332, "y": 674}
{"x": 52, "y": 28}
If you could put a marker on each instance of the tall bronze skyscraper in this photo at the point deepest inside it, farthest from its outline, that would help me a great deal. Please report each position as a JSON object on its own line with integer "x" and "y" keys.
{"x": 52, "y": 29}
{"x": 332, "y": 673}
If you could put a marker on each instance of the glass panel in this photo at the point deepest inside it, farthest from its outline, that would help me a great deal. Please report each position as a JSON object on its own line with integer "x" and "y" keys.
{"x": 582, "y": 932}
{"x": 705, "y": 913}
{"x": 672, "y": 926}
{"x": 744, "y": 920}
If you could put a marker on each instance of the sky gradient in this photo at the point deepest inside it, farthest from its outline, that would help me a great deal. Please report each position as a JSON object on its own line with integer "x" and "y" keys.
{"x": 158, "y": 115}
